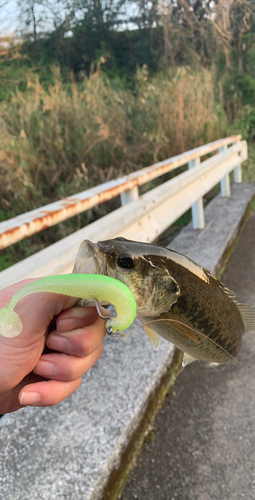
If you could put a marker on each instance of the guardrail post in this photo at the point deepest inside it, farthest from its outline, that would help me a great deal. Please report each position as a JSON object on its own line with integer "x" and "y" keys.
{"x": 237, "y": 171}
{"x": 197, "y": 209}
{"x": 128, "y": 196}
{"x": 225, "y": 182}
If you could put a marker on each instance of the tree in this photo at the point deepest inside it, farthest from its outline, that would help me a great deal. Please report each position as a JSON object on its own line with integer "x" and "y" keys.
{"x": 188, "y": 37}
{"x": 234, "y": 21}
{"x": 37, "y": 17}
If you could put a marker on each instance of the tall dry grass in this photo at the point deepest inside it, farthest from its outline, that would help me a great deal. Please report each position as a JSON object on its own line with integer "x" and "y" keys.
{"x": 56, "y": 142}
{"x": 59, "y": 141}
{"x": 177, "y": 112}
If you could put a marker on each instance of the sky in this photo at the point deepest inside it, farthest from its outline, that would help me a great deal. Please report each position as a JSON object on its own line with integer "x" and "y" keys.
{"x": 9, "y": 22}
{"x": 8, "y": 17}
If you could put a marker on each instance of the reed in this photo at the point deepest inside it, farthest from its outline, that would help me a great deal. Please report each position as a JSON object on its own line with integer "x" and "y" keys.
{"x": 54, "y": 142}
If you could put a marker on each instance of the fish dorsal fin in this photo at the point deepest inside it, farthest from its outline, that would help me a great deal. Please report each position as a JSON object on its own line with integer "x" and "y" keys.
{"x": 187, "y": 359}
{"x": 225, "y": 289}
{"x": 180, "y": 326}
{"x": 248, "y": 316}
{"x": 228, "y": 292}
{"x": 153, "y": 337}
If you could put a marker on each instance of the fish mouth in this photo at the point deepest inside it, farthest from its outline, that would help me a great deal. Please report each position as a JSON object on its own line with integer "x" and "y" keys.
{"x": 89, "y": 259}
{"x": 96, "y": 254}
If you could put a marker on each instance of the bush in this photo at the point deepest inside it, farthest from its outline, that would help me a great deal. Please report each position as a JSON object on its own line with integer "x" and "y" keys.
{"x": 239, "y": 91}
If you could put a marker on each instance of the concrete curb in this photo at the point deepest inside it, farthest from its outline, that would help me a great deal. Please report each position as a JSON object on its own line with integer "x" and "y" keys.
{"x": 69, "y": 451}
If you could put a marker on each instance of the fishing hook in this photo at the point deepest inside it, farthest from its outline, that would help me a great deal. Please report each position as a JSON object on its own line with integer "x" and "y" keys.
{"x": 109, "y": 329}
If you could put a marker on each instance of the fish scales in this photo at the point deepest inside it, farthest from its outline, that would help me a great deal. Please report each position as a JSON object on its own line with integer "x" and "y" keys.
{"x": 205, "y": 307}
{"x": 176, "y": 298}
{"x": 218, "y": 320}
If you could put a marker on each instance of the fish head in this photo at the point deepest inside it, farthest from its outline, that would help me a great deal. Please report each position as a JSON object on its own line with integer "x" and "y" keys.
{"x": 137, "y": 265}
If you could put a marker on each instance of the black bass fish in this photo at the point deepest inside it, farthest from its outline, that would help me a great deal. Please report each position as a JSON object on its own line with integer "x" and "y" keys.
{"x": 176, "y": 298}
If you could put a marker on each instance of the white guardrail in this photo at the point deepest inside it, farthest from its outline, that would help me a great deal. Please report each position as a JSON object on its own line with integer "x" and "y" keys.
{"x": 140, "y": 218}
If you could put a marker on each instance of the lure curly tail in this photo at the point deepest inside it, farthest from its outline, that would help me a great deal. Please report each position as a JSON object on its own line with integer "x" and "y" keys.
{"x": 84, "y": 286}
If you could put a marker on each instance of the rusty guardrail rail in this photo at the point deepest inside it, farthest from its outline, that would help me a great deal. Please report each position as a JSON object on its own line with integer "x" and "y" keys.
{"x": 141, "y": 218}
{"x": 32, "y": 222}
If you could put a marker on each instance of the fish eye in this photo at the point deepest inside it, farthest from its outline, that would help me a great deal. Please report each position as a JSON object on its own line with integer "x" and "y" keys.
{"x": 125, "y": 262}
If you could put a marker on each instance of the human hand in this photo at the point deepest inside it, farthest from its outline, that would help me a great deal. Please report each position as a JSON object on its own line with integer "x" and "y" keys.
{"x": 73, "y": 338}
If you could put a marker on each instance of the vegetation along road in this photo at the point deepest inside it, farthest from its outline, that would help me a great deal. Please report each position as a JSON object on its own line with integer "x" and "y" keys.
{"x": 91, "y": 90}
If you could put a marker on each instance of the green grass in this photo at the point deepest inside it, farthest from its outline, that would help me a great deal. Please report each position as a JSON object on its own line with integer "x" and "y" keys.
{"x": 6, "y": 261}
{"x": 252, "y": 205}
{"x": 248, "y": 167}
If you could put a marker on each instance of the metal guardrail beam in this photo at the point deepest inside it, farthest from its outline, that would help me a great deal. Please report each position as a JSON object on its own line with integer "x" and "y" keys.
{"x": 197, "y": 208}
{"x": 32, "y": 222}
{"x": 143, "y": 219}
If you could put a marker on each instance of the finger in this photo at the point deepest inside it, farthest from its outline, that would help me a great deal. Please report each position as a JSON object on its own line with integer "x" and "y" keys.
{"x": 77, "y": 317}
{"x": 64, "y": 367}
{"x": 47, "y": 393}
{"x": 79, "y": 342}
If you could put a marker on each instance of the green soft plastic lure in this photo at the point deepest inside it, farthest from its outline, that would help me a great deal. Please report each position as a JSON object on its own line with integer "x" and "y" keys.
{"x": 84, "y": 286}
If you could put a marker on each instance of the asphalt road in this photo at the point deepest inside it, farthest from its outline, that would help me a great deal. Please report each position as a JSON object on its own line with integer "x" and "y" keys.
{"x": 203, "y": 445}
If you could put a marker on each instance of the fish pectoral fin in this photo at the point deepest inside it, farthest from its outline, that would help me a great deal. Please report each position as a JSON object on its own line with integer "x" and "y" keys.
{"x": 180, "y": 326}
{"x": 248, "y": 316}
{"x": 187, "y": 359}
{"x": 153, "y": 337}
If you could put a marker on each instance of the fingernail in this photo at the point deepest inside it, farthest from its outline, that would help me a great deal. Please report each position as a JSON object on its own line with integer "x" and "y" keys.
{"x": 29, "y": 398}
{"x": 58, "y": 343}
{"x": 45, "y": 369}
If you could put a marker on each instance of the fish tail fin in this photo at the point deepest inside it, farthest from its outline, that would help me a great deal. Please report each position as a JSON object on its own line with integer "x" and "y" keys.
{"x": 248, "y": 316}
